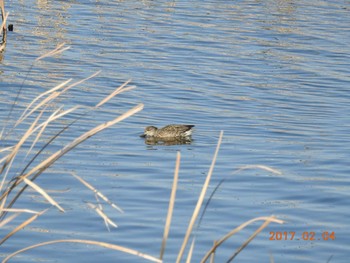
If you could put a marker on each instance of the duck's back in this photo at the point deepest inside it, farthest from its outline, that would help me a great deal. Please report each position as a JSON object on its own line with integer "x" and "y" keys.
{"x": 175, "y": 130}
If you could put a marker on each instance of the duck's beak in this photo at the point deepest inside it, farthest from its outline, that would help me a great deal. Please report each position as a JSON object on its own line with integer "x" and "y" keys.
{"x": 143, "y": 135}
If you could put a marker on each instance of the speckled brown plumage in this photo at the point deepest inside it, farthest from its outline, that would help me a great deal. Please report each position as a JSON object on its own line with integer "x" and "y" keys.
{"x": 169, "y": 131}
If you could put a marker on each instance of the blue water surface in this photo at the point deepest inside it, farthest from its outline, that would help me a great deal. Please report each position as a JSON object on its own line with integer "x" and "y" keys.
{"x": 273, "y": 75}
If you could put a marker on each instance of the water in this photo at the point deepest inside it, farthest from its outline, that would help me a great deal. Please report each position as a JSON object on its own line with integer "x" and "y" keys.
{"x": 273, "y": 75}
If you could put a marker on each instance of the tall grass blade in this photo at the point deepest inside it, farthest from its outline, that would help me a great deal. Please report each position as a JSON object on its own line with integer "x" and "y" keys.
{"x": 190, "y": 251}
{"x": 263, "y": 167}
{"x": 12, "y": 155}
{"x": 54, "y": 157}
{"x": 22, "y": 225}
{"x": 53, "y": 117}
{"x": 18, "y": 210}
{"x": 15, "y": 183}
{"x": 8, "y": 219}
{"x": 20, "y": 119}
{"x": 3, "y": 28}
{"x": 54, "y": 94}
{"x": 212, "y": 256}
{"x": 41, "y": 103}
{"x": 6, "y": 149}
{"x": 114, "y": 93}
{"x": 102, "y": 214}
{"x": 200, "y": 201}
{"x": 57, "y": 50}
{"x": 87, "y": 242}
{"x": 265, "y": 224}
{"x": 49, "y": 161}
{"x": 2, "y": 8}
{"x": 98, "y": 193}
{"x": 258, "y": 166}
{"x": 171, "y": 205}
{"x": 43, "y": 193}
{"x": 236, "y": 230}
{"x": 18, "y": 145}
{"x": 43, "y": 127}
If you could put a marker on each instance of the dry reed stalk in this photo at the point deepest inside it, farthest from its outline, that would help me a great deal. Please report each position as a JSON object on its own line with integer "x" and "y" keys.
{"x": 43, "y": 102}
{"x": 4, "y": 195}
{"x": 44, "y": 124}
{"x": 42, "y": 166}
{"x": 98, "y": 193}
{"x": 262, "y": 167}
{"x": 6, "y": 149}
{"x": 199, "y": 202}
{"x": 99, "y": 211}
{"x": 43, "y": 193}
{"x": 43, "y": 127}
{"x": 53, "y": 117}
{"x": 239, "y": 228}
{"x": 59, "y": 86}
{"x": 18, "y": 210}
{"x": 24, "y": 224}
{"x": 57, "y": 50}
{"x": 87, "y": 242}
{"x": 3, "y": 27}
{"x": 10, "y": 158}
{"x": 15, "y": 149}
{"x": 2, "y": 160}
{"x": 54, "y": 94}
{"x": 54, "y": 157}
{"x": 171, "y": 205}
{"x": 19, "y": 144}
{"x": 8, "y": 219}
{"x": 2, "y": 205}
{"x": 57, "y": 94}
{"x": 190, "y": 251}
{"x": 212, "y": 256}
{"x": 104, "y": 216}
{"x": 117, "y": 91}
{"x": 2, "y": 8}
{"x": 40, "y": 103}
{"x": 261, "y": 228}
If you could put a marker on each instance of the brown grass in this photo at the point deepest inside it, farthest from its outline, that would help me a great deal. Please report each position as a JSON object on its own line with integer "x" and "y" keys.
{"x": 171, "y": 205}
{"x": 12, "y": 189}
{"x": 87, "y": 242}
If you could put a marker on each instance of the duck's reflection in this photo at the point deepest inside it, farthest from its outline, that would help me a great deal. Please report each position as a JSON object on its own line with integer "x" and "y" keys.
{"x": 172, "y": 141}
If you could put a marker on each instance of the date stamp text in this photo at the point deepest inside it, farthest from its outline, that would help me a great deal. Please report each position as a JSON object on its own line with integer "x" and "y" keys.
{"x": 306, "y": 236}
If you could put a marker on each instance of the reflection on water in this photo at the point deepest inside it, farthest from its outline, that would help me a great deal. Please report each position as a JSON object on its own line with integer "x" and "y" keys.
{"x": 172, "y": 141}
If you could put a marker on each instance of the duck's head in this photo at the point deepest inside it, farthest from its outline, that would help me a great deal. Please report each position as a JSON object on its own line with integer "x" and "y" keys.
{"x": 150, "y": 131}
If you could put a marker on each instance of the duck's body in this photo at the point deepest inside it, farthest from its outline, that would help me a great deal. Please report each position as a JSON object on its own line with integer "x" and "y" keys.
{"x": 172, "y": 131}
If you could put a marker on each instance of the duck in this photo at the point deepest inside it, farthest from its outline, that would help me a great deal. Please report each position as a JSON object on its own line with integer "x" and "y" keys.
{"x": 172, "y": 131}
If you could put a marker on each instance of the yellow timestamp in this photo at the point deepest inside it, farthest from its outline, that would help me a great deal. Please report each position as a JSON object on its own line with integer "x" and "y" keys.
{"x": 307, "y": 236}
